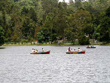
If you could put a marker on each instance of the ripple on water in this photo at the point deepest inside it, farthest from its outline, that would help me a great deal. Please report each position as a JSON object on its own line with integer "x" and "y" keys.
{"x": 17, "y": 65}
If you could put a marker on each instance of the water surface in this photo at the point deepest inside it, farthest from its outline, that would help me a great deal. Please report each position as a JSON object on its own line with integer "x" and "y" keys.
{"x": 17, "y": 65}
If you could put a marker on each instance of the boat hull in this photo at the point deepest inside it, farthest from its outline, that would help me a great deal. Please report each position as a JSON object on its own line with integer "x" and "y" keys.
{"x": 91, "y": 47}
{"x": 47, "y": 52}
{"x": 82, "y": 52}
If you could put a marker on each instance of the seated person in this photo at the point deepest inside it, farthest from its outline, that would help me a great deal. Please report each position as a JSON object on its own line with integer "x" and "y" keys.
{"x": 92, "y": 46}
{"x": 69, "y": 49}
{"x": 36, "y": 50}
{"x": 42, "y": 50}
{"x": 74, "y": 50}
{"x": 79, "y": 50}
{"x": 33, "y": 50}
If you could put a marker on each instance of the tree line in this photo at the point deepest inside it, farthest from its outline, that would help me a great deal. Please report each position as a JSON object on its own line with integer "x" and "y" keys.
{"x": 50, "y": 20}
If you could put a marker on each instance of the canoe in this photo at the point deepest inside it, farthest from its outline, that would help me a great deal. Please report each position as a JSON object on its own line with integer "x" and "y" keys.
{"x": 82, "y": 52}
{"x": 46, "y": 52}
{"x": 91, "y": 47}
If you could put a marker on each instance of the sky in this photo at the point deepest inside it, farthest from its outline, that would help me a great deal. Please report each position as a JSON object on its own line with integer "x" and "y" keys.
{"x": 68, "y": 0}
{"x": 65, "y": 0}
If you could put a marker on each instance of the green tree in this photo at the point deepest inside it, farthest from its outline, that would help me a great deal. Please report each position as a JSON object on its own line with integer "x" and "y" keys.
{"x": 69, "y": 34}
{"x": 40, "y": 13}
{"x": 16, "y": 24}
{"x": 43, "y": 35}
{"x": 49, "y": 6}
{"x": 1, "y": 36}
{"x": 83, "y": 21}
{"x": 28, "y": 28}
{"x": 71, "y": 31}
{"x": 33, "y": 14}
{"x": 104, "y": 28}
{"x": 83, "y": 40}
{"x": 24, "y": 11}
{"x": 60, "y": 20}
{"x": 78, "y": 4}
{"x": 49, "y": 24}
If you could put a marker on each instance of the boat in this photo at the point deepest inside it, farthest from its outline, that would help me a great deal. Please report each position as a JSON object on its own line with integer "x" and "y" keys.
{"x": 91, "y": 47}
{"x": 76, "y": 52}
{"x": 45, "y": 52}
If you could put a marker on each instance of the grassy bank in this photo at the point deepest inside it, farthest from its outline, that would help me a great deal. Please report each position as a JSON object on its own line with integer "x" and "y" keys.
{"x": 37, "y": 44}
{"x": 48, "y": 44}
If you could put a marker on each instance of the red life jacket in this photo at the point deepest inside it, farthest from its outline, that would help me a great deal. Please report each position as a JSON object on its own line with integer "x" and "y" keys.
{"x": 68, "y": 49}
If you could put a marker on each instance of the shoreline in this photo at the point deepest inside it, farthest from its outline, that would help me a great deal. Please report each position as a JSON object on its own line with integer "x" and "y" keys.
{"x": 55, "y": 44}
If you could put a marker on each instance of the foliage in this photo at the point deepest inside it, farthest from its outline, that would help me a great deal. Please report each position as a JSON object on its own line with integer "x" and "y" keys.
{"x": 43, "y": 35}
{"x": 83, "y": 40}
{"x": 70, "y": 34}
{"x": 28, "y": 28}
{"x": 49, "y": 20}
{"x": 82, "y": 20}
{"x": 104, "y": 28}
{"x": 1, "y": 36}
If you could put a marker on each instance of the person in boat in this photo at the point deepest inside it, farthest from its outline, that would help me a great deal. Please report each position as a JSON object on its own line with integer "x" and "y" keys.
{"x": 89, "y": 46}
{"x": 42, "y": 50}
{"x": 36, "y": 50}
{"x": 69, "y": 49}
{"x": 33, "y": 50}
{"x": 92, "y": 46}
{"x": 74, "y": 50}
{"x": 79, "y": 50}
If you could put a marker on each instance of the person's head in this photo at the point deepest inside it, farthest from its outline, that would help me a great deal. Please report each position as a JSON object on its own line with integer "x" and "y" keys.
{"x": 78, "y": 48}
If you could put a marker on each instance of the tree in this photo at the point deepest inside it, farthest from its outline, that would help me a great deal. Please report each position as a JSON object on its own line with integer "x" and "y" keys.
{"x": 83, "y": 40}
{"x": 16, "y": 0}
{"x": 104, "y": 29}
{"x": 20, "y": 19}
{"x": 78, "y": 4}
{"x": 71, "y": 31}
{"x": 60, "y": 20}
{"x": 49, "y": 5}
{"x": 40, "y": 14}
{"x": 1, "y": 36}
{"x": 82, "y": 21}
{"x": 108, "y": 11}
{"x": 43, "y": 35}
{"x": 69, "y": 34}
{"x": 28, "y": 28}
{"x": 24, "y": 11}
{"x": 33, "y": 15}
{"x": 104, "y": 26}
{"x": 49, "y": 24}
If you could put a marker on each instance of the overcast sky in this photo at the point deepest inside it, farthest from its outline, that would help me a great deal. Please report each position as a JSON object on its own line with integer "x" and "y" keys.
{"x": 65, "y": 0}
{"x": 73, "y": 0}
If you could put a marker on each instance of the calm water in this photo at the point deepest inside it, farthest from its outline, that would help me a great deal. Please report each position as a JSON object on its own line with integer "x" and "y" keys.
{"x": 17, "y": 65}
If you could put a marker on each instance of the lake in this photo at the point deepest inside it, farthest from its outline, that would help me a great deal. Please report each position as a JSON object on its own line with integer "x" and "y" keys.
{"x": 17, "y": 65}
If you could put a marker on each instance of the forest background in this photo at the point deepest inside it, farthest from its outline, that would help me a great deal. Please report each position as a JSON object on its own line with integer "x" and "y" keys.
{"x": 50, "y": 21}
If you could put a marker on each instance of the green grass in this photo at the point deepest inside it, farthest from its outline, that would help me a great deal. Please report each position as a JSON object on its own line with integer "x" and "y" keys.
{"x": 53, "y": 44}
